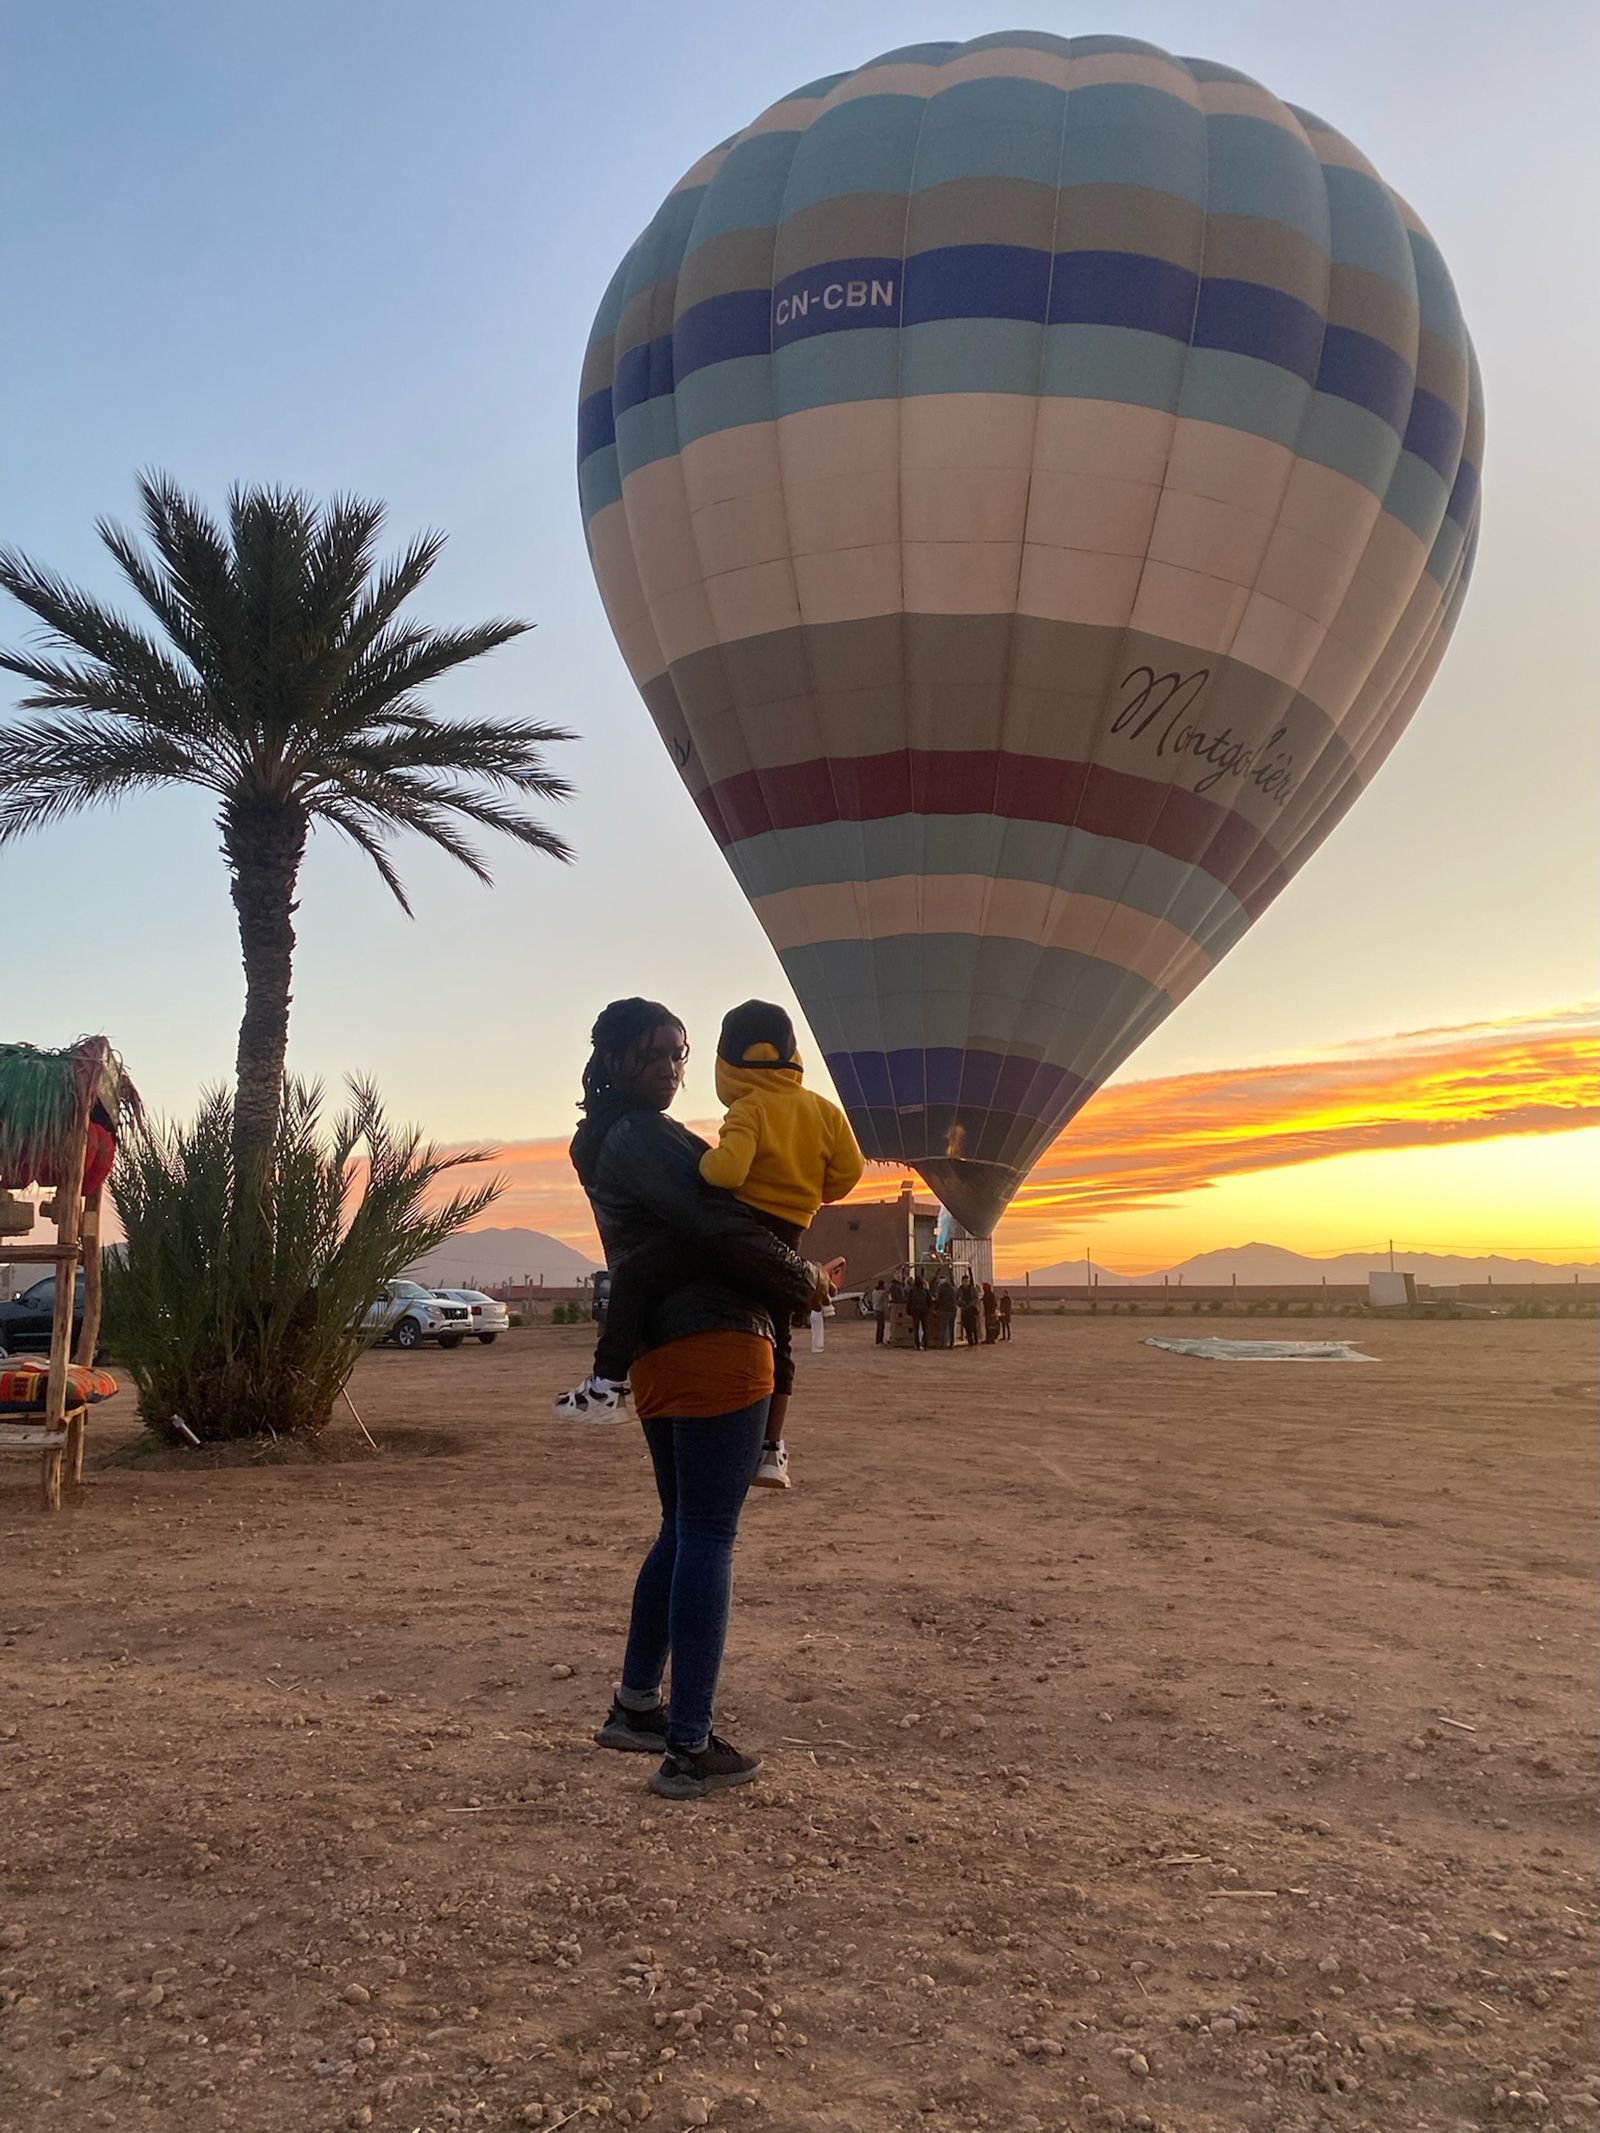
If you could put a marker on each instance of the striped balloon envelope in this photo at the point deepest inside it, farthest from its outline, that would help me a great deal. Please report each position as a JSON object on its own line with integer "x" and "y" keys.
{"x": 1032, "y": 483}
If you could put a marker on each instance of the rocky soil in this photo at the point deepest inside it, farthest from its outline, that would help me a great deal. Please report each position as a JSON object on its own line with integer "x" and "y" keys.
{"x": 1150, "y": 1743}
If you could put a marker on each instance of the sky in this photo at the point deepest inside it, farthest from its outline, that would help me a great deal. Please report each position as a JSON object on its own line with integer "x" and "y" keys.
{"x": 1489, "y": 1127}
{"x": 359, "y": 247}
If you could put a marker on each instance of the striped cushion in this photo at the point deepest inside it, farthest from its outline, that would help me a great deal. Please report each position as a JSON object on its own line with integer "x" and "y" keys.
{"x": 24, "y": 1381}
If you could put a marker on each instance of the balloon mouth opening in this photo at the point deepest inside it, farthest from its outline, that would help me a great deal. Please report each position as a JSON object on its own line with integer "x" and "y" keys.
{"x": 976, "y": 1194}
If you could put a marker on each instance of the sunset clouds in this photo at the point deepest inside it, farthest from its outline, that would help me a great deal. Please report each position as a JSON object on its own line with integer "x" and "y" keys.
{"x": 1144, "y": 1143}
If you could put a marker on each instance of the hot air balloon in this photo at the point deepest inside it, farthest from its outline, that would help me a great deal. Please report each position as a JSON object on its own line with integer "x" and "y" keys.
{"x": 1032, "y": 483}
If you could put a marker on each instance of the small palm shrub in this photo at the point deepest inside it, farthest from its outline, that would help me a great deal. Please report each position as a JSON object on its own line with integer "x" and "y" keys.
{"x": 241, "y": 1329}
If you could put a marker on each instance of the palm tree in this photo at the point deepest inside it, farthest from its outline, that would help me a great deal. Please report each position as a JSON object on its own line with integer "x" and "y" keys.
{"x": 284, "y": 679}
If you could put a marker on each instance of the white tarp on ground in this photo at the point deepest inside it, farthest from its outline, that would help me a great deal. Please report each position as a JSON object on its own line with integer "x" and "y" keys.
{"x": 1265, "y": 1351}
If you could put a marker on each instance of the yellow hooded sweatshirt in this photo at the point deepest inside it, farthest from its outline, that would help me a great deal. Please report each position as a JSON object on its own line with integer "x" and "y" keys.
{"x": 781, "y": 1148}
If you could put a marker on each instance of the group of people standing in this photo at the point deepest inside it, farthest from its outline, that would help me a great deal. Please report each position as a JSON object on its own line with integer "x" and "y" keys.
{"x": 933, "y": 1309}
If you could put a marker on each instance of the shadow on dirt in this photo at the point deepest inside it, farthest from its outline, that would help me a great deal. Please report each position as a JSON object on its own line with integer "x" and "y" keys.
{"x": 149, "y": 1454}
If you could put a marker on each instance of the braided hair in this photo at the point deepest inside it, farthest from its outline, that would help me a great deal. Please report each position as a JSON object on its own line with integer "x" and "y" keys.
{"x": 619, "y": 1030}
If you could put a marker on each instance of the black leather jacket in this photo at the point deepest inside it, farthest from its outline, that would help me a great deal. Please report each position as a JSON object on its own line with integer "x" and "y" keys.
{"x": 646, "y": 1182}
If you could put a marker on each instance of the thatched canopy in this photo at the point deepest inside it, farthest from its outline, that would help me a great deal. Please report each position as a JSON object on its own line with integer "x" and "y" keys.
{"x": 43, "y": 1094}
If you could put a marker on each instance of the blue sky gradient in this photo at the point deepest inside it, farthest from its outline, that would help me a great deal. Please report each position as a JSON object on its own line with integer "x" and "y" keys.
{"x": 359, "y": 247}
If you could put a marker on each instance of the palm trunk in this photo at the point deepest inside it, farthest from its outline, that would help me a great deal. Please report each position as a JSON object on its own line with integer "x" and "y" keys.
{"x": 264, "y": 843}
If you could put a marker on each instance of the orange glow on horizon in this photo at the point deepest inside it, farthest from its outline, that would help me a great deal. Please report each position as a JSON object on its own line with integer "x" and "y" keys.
{"x": 1144, "y": 1143}
{"x": 1140, "y": 1146}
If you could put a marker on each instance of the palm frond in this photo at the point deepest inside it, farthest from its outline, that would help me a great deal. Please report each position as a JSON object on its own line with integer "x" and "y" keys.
{"x": 165, "y": 599}
{"x": 392, "y": 803}
{"x": 504, "y": 754}
{"x": 342, "y": 557}
{"x": 489, "y": 812}
{"x": 369, "y": 839}
{"x": 427, "y": 805}
{"x": 400, "y": 661}
{"x": 80, "y": 685}
{"x": 375, "y": 609}
{"x": 272, "y": 532}
{"x": 120, "y": 656}
{"x": 340, "y": 563}
{"x": 50, "y": 769}
{"x": 195, "y": 554}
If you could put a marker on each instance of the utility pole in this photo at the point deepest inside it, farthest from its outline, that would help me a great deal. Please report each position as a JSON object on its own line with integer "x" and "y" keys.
{"x": 1391, "y": 1255}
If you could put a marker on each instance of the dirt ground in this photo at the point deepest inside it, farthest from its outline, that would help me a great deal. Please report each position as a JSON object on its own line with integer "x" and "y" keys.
{"x": 1149, "y": 1743}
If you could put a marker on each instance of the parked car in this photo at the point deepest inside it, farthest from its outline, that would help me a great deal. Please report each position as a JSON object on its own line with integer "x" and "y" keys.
{"x": 410, "y": 1314}
{"x": 25, "y": 1320}
{"x": 600, "y": 1295}
{"x": 490, "y": 1318}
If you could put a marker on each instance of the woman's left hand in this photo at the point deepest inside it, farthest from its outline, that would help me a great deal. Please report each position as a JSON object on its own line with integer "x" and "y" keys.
{"x": 825, "y": 1282}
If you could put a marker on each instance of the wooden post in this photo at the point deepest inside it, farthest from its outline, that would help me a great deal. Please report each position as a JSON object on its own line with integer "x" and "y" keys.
{"x": 77, "y": 1430}
{"x": 68, "y": 1219}
{"x": 89, "y": 1337}
{"x": 89, "y": 1333}
{"x": 51, "y": 1482}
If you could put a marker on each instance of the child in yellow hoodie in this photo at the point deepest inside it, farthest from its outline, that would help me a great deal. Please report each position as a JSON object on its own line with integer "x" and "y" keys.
{"x": 784, "y": 1152}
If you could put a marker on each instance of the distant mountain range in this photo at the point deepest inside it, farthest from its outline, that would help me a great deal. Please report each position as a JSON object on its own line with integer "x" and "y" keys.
{"x": 496, "y": 1255}
{"x": 1264, "y": 1265}
{"x": 476, "y": 1256}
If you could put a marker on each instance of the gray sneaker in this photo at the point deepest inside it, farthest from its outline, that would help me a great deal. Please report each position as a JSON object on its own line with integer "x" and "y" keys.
{"x": 690, "y": 1775}
{"x": 634, "y": 1732}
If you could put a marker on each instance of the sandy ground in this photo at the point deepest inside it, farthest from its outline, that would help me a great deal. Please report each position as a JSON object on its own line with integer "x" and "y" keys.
{"x": 1150, "y": 1743}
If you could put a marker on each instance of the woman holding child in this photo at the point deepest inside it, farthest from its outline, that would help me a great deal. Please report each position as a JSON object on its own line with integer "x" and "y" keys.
{"x": 713, "y": 1284}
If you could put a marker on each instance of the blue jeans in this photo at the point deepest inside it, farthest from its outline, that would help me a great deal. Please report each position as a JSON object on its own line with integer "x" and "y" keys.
{"x": 681, "y": 1597}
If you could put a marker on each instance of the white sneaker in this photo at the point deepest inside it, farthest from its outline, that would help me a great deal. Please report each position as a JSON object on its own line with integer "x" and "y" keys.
{"x": 595, "y": 1400}
{"x": 773, "y": 1472}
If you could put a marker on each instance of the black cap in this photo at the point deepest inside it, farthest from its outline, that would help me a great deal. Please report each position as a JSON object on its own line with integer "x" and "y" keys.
{"x": 753, "y": 1023}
